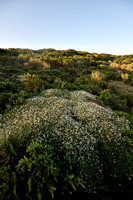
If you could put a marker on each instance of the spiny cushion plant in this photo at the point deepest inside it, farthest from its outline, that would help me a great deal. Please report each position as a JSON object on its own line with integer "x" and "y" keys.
{"x": 58, "y": 119}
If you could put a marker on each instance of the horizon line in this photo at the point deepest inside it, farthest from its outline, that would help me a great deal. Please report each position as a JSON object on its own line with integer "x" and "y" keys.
{"x": 65, "y": 50}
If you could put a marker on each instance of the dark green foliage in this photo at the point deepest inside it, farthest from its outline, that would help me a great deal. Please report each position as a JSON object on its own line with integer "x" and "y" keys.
{"x": 103, "y": 84}
{"x": 127, "y": 134}
{"x": 8, "y": 100}
{"x": 104, "y": 96}
{"x": 129, "y": 138}
{"x": 4, "y": 97}
{"x": 7, "y": 87}
{"x": 41, "y": 173}
{"x": 11, "y": 151}
{"x": 16, "y": 99}
{"x": 120, "y": 114}
{"x": 120, "y": 96}
{"x": 116, "y": 162}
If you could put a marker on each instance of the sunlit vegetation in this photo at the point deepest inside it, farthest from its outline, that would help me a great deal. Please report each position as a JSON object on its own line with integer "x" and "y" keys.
{"x": 124, "y": 76}
{"x": 66, "y": 125}
{"x": 95, "y": 76}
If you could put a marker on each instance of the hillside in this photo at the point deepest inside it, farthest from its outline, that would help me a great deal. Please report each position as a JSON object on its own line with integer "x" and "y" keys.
{"x": 66, "y": 125}
{"x": 25, "y": 72}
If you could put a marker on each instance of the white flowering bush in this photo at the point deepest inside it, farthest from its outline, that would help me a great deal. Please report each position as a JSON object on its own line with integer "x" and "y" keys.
{"x": 59, "y": 118}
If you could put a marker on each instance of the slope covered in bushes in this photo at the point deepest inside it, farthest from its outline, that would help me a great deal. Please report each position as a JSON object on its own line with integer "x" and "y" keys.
{"x": 62, "y": 141}
{"x": 66, "y": 124}
{"x": 24, "y": 72}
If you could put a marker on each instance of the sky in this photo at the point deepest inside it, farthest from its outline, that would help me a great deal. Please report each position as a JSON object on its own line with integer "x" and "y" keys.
{"x": 101, "y": 26}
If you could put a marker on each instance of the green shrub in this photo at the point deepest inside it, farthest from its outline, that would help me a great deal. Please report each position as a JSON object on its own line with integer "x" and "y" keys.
{"x": 95, "y": 89}
{"x": 59, "y": 83}
{"x": 95, "y": 77}
{"x": 102, "y": 84}
{"x": 43, "y": 172}
{"x": 120, "y": 114}
{"x": 104, "y": 96}
{"x": 117, "y": 103}
{"x": 8, "y": 100}
{"x": 127, "y": 134}
{"x": 16, "y": 99}
{"x": 4, "y": 97}
{"x": 37, "y": 64}
{"x": 120, "y": 96}
{"x": 8, "y": 86}
{"x": 12, "y": 148}
{"x": 71, "y": 86}
{"x": 111, "y": 75}
{"x": 129, "y": 138}
{"x": 32, "y": 82}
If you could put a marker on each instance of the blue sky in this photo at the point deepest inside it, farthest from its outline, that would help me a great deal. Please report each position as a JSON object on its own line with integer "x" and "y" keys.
{"x": 101, "y": 26}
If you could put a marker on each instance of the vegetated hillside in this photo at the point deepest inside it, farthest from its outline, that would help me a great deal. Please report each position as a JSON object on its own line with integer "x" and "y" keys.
{"x": 25, "y": 72}
{"x": 62, "y": 141}
{"x": 66, "y": 125}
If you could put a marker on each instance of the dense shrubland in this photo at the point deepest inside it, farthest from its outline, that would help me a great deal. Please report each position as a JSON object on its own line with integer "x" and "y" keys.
{"x": 66, "y": 124}
{"x": 33, "y": 71}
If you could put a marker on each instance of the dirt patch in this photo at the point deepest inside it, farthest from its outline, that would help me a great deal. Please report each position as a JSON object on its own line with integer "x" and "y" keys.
{"x": 74, "y": 117}
{"x": 96, "y": 102}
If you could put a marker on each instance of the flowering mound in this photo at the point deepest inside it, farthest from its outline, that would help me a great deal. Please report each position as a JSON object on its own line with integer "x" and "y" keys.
{"x": 60, "y": 118}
